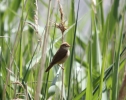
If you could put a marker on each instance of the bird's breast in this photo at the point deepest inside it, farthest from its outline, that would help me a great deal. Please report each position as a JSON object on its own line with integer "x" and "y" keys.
{"x": 64, "y": 59}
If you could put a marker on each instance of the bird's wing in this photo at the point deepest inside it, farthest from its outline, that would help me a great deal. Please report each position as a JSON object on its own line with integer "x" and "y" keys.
{"x": 57, "y": 58}
{"x": 61, "y": 54}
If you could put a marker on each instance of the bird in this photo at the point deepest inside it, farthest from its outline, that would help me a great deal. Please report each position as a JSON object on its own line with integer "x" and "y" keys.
{"x": 61, "y": 55}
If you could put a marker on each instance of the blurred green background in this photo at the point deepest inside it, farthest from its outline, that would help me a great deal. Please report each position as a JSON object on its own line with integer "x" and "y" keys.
{"x": 96, "y": 31}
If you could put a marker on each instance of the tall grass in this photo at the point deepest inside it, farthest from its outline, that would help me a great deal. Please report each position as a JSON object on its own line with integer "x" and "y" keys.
{"x": 29, "y": 38}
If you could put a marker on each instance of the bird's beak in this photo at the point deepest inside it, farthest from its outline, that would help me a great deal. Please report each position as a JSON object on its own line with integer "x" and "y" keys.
{"x": 69, "y": 46}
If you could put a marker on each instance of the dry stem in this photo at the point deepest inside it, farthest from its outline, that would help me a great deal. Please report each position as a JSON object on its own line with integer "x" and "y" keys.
{"x": 41, "y": 71}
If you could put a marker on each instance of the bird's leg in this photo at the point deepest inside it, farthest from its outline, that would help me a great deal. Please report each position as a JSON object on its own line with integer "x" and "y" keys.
{"x": 61, "y": 67}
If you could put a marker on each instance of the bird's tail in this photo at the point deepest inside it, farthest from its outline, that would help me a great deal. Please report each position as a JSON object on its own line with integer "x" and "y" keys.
{"x": 50, "y": 66}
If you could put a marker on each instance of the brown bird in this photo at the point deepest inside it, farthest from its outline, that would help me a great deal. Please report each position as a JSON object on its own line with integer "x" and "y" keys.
{"x": 61, "y": 55}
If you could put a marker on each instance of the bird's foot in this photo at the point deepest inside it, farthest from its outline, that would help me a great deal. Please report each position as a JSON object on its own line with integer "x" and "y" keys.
{"x": 62, "y": 67}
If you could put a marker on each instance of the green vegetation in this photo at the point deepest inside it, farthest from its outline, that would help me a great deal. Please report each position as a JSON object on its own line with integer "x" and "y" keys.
{"x": 30, "y": 34}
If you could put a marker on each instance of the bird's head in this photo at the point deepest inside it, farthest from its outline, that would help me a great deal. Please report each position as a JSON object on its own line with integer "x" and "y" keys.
{"x": 65, "y": 45}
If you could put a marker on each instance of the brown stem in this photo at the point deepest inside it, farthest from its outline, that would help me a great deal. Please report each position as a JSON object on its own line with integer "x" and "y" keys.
{"x": 62, "y": 83}
{"x": 61, "y": 11}
{"x": 62, "y": 38}
{"x": 122, "y": 92}
{"x": 62, "y": 73}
